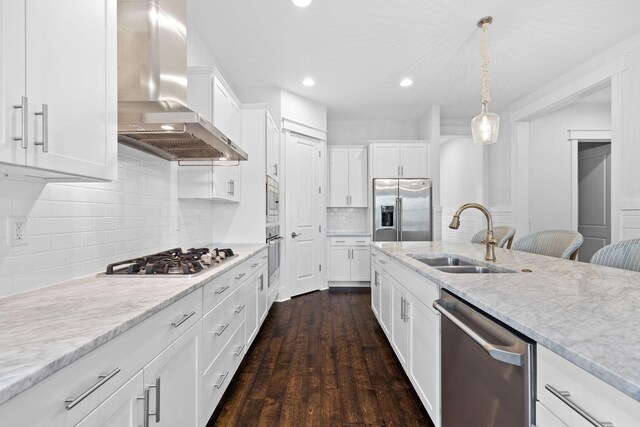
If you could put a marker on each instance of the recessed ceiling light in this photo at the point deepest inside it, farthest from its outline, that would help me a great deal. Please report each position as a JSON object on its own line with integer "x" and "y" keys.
{"x": 308, "y": 82}
{"x": 167, "y": 127}
{"x": 301, "y": 3}
{"x": 406, "y": 82}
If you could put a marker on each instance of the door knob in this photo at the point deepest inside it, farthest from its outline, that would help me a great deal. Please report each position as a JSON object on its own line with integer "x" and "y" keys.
{"x": 294, "y": 234}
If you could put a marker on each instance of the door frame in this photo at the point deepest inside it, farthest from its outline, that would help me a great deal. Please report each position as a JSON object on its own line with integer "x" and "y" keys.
{"x": 286, "y": 282}
{"x": 575, "y": 138}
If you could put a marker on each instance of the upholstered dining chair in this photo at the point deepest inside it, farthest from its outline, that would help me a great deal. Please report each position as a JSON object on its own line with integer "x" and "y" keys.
{"x": 556, "y": 243}
{"x": 503, "y": 234}
{"x": 625, "y": 255}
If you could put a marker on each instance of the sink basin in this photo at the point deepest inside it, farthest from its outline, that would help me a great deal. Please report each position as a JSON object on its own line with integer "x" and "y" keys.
{"x": 454, "y": 265}
{"x": 441, "y": 261}
{"x": 472, "y": 269}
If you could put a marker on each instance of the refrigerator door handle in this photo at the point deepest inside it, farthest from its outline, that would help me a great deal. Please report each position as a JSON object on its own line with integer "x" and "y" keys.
{"x": 397, "y": 219}
{"x": 400, "y": 219}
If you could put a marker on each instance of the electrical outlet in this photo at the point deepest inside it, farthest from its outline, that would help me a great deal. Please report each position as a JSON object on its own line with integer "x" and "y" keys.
{"x": 16, "y": 231}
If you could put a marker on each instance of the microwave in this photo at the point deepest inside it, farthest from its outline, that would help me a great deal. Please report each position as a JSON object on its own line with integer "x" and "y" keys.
{"x": 272, "y": 200}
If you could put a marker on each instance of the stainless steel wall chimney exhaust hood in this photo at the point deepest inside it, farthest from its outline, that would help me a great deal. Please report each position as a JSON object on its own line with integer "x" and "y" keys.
{"x": 152, "y": 86}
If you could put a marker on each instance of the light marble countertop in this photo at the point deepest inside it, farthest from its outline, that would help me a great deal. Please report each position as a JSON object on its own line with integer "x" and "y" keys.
{"x": 588, "y": 314}
{"x": 46, "y": 329}
{"x": 348, "y": 234}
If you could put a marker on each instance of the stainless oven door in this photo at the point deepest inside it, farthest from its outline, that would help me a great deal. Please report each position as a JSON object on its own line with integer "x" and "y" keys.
{"x": 274, "y": 260}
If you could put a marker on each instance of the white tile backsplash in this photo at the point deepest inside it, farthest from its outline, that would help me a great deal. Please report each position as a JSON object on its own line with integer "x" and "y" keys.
{"x": 77, "y": 229}
{"x": 347, "y": 219}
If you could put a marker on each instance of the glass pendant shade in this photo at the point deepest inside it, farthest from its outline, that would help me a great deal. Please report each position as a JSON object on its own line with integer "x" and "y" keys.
{"x": 485, "y": 126}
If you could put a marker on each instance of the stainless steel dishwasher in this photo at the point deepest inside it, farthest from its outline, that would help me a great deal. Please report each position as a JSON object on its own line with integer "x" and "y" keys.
{"x": 487, "y": 369}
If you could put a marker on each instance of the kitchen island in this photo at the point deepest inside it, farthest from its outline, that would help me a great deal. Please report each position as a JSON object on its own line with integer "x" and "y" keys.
{"x": 587, "y": 314}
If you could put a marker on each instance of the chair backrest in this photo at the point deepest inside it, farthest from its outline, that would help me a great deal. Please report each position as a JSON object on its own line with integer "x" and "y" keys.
{"x": 556, "y": 243}
{"x": 503, "y": 234}
{"x": 625, "y": 254}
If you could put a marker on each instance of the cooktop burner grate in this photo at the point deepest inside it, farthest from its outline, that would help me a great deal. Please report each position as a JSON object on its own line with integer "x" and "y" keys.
{"x": 171, "y": 262}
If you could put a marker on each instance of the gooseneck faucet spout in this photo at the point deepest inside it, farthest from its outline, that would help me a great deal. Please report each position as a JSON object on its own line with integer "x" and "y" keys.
{"x": 490, "y": 241}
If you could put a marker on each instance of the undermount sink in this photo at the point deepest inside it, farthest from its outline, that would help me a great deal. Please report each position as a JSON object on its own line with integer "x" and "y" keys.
{"x": 454, "y": 265}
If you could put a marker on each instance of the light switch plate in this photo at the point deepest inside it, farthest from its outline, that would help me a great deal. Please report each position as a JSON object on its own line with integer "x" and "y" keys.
{"x": 16, "y": 231}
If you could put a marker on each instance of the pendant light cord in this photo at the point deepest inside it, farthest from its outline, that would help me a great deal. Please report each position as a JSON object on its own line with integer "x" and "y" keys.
{"x": 484, "y": 52}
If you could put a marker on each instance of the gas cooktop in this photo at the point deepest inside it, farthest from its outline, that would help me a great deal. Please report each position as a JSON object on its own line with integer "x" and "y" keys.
{"x": 172, "y": 262}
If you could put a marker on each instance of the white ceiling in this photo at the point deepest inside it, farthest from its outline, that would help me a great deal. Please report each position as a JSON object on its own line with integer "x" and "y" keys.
{"x": 358, "y": 50}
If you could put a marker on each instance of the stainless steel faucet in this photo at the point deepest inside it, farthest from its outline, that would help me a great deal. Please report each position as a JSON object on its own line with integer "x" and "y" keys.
{"x": 490, "y": 241}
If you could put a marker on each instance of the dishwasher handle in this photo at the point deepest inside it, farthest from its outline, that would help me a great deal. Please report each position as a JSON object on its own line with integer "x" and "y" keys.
{"x": 495, "y": 351}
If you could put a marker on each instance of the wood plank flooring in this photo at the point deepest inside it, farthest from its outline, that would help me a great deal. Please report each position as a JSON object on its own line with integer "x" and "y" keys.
{"x": 321, "y": 359}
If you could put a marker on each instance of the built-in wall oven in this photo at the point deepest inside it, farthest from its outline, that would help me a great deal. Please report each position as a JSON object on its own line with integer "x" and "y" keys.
{"x": 274, "y": 240}
{"x": 272, "y": 200}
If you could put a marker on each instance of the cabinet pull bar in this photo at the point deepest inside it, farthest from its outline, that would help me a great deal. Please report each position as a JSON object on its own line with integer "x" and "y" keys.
{"x": 157, "y": 412}
{"x": 564, "y": 397}
{"x": 146, "y": 407}
{"x": 239, "y": 352}
{"x": 185, "y": 317}
{"x": 221, "y": 289}
{"x": 382, "y": 262}
{"x": 71, "y": 402}
{"x": 222, "y": 329}
{"x": 223, "y": 377}
{"x": 240, "y": 276}
{"x": 24, "y": 123}
{"x": 254, "y": 265}
{"x": 240, "y": 308}
{"x": 45, "y": 128}
{"x": 275, "y": 168}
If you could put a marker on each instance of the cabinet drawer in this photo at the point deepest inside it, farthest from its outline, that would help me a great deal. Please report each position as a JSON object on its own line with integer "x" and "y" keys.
{"x": 544, "y": 418}
{"x": 349, "y": 241}
{"x": 595, "y": 397}
{"x": 217, "y": 378}
{"x": 380, "y": 258}
{"x": 220, "y": 324}
{"x": 122, "y": 357}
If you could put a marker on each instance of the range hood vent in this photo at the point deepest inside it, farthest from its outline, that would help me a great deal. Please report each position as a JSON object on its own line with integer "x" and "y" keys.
{"x": 152, "y": 86}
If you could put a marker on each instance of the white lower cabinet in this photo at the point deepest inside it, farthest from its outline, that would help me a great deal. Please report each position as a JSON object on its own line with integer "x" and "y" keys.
{"x": 172, "y": 384}
{"x": 349, "y": 259}
{"x": 257, "y": 304}
{"x": 401, "y": 301}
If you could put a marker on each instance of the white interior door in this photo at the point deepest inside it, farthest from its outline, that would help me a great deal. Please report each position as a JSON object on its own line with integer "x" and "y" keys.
{"x": 304, "y": 213}
{"x": 594, "y": 199}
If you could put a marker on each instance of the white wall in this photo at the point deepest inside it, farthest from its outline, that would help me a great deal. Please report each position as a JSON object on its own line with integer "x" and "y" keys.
{"x": 77, "y": 229}
{"x": 550, "y": 162}
{"x": 358, "y": 132}
{"x": 303, "y": 111}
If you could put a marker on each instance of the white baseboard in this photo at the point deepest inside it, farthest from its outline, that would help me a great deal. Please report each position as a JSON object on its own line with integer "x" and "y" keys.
{"x": 349, "y": 284}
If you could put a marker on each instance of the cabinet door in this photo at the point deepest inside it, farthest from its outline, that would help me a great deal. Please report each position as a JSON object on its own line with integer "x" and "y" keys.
{"x": 12, "y": 76}
{"x": 340, "y": 264}
{"x": 226, "y": 182}
{"x": 360, "y": 263}
{"x": 414, "y": 160}
{"x": 273, "y": 149}
{"x": 262, "y": 294}
{"x": 173, "y": 377}
{"x": 195, "y": 182}
{"x": 358, "y": 177}
{"x": 124, "y": 408}
{"x": 385, "y": 304}
{"x": 385, "y": 161}
{"x": 399, "y": 322}
{"x": 226, "y": 111}
{"x": 251, "y": 310}
{"x": 375, "y": 290}
{"x": 424, "y": 356}
{"x": 72, "y": 86}
{"x": 338, "y": 177}
{"x": 200, "y": 92}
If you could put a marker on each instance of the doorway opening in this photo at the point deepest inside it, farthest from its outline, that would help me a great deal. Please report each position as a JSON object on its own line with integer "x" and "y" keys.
{"x": 594, "y": 196}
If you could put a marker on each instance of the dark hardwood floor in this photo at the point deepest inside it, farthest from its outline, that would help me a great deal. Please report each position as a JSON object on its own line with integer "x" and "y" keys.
{"x": 321, "y": 359}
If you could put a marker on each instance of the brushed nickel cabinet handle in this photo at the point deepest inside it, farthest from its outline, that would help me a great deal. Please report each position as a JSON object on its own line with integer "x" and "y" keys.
{"x": 222, "y": 329}
{"x": 45, "y": 128}
{"x": 156, "y": 414}
{"x": 71, "y": 402}
{"x": 564, "y": 398}
{"x": 24, "y": 123}
{"x": 239, "y": 351}
{"x": 240, "y": 276}
{"x": 185, "y": 317}
{"x": 239, "y": 308}
{"x": 221, "y": 289}
{"x": 223, "y": 377}
{"x": 255, "y": 265}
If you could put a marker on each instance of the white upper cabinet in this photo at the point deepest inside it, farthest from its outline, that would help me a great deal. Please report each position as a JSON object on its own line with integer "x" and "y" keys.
{"x": 348, "y": 177}
{"x": 273, "y": 149}
{"x": 226, "y": 111}
{"x": 400, "y": 160}
{"x": 67, "y": 91}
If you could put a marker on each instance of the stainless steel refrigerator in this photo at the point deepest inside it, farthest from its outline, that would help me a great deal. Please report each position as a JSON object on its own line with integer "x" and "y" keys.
{"x": 402, "y": 210}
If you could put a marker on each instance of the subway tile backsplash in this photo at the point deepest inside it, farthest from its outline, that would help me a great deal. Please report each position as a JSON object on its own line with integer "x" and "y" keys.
{"x": 347, "y": 219}
{"x": 74, "y": 230}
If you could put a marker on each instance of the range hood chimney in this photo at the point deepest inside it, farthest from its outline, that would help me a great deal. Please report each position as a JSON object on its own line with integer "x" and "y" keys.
{"x": 152, "y": 86}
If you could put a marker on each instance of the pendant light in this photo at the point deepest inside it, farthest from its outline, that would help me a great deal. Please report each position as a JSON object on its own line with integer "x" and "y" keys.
{"x": 485, "y": 125}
